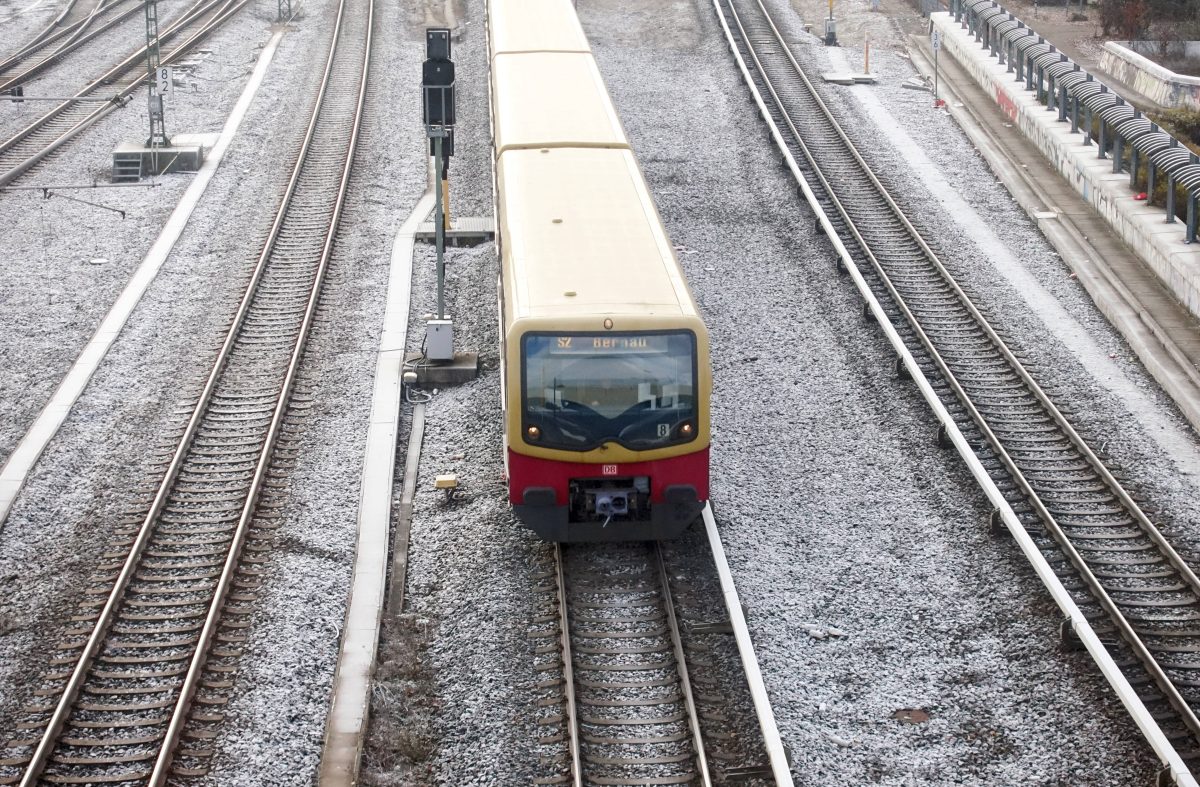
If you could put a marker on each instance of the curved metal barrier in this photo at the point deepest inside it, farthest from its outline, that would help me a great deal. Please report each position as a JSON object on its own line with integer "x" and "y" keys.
{"x": 1108, "y": 120}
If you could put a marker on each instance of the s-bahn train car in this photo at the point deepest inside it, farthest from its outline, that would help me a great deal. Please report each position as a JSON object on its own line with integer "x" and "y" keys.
{"x": 606, "y": 377}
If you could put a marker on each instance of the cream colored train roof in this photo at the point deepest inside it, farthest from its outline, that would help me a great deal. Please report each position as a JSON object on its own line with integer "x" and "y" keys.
{"x": 534, "y": 26}
{"x": 581, "y": 221}
{"x": 552, "y": 99}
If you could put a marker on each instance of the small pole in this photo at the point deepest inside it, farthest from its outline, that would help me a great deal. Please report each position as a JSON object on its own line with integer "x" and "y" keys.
{"x": 440, "y": 230}
{"x": 937, "y": 47}
{"x": 867, "y": 56}
{"x": 437, "y": 85}
{"x": 445, "y": 176}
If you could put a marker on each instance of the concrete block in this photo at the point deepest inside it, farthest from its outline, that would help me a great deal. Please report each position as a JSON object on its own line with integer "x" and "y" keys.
{"x": 185, "y": 154}
{"x": 463, "y": 368}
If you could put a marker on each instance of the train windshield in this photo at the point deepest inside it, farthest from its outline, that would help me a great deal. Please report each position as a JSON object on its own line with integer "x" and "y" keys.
{"x": 582, "y": 389}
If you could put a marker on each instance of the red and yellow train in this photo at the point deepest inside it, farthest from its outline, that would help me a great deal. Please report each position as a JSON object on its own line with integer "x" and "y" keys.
{"x": 606, "y": 375}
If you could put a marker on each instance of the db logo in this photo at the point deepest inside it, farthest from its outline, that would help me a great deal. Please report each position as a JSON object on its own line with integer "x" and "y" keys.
{"x": 609, "y": 469}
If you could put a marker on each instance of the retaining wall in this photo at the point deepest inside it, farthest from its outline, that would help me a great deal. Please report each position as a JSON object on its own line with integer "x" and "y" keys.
{"x": 1165, "y": 88}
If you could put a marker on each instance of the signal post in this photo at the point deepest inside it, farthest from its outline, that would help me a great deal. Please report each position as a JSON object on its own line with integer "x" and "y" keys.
{"x": 438, "y": 363}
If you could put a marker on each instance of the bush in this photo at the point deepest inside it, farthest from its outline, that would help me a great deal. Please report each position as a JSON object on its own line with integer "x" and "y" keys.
{"x": 1183, "y": 123}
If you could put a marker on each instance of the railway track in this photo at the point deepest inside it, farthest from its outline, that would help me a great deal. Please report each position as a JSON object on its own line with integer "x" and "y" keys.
{"x": 134, "y": 692}
{"x": 77, "y": 25}
{"x": 642, "y": 697}
{"x": 71, "y": 15}
{"x": 1127, "y": 579}
{"x": 29, "y": 146}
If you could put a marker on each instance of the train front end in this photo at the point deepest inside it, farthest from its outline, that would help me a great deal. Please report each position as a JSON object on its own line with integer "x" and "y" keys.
{"x": 608, "y": 426}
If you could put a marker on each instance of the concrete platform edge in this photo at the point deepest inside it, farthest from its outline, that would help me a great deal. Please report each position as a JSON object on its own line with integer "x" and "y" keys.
{"x": 1095, "y": 647}
{"x": 346, "y": 726}
{"x": 1148, "y": 341}
{"x": 1062, "y": 597}
{"x": 1141, "y": 226}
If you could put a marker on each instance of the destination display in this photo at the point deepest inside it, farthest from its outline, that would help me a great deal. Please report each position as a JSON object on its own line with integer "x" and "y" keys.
{"x": 608, "y": 344}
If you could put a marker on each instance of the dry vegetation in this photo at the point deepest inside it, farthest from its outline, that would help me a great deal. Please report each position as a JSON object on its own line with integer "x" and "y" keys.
{"x": 402, "y": 741}
{"x": 1183, "y": 123}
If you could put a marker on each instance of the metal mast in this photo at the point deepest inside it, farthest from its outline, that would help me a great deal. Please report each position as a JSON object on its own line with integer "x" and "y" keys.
{"x": 158, "y": 129}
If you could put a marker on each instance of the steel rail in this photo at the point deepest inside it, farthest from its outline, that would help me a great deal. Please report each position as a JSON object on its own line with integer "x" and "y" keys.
{"x": 685, "y": 682}
{"x": 1126, "y": 693}
{"x": 227, "y": 8}
{"x": 1163, "y": 681}
{"x": 77, "y": 35}
{"x": 114, "y": 72}
{"x": 642, "y": 581}
{"x": 104, "y": 620}
{"x": 47, "y": 31}
{"x": 564, "y": 626}
{"x": 1097, "y": 465}
{"x": 195, "y": 669}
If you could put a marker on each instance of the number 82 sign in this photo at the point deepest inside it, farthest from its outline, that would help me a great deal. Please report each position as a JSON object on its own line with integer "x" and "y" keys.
{"x": 164, "y": 84}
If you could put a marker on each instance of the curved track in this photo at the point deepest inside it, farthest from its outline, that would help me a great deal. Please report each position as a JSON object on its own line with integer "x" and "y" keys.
{"x": 68, "y": 18}
{"x": 157, "y": 642}
{"x": 1122, "y": 572}
{"x": 73, "y": 28}
{"x": 48, "y": 133}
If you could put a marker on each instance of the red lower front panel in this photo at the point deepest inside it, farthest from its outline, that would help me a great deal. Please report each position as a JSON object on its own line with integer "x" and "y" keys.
{"x": 526, "y": 471}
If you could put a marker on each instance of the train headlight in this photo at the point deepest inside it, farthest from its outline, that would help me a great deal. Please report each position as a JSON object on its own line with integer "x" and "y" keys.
{"x": 686, "y": 430}
{"x": 533, "y": 432}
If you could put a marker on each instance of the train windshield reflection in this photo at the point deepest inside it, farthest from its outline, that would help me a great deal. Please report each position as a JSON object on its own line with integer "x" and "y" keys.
{"x": 636, "y": 389}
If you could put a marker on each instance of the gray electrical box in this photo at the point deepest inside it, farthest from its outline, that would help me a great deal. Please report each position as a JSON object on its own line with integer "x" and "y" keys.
{"x": 439, "y": 340}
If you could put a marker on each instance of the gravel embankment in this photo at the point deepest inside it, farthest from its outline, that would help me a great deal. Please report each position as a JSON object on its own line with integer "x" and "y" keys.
{"x": 471, "y": 566}
{"x": 831, "y": 518}
{"x": 66, "y": 262}
{"x": 65, "y": 515}
{"x": 835, "y": 506}
{"x": 277, "y": 711}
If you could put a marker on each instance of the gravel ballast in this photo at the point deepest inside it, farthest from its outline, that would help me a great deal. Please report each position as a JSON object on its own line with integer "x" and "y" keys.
{"x": 836, "y": 508}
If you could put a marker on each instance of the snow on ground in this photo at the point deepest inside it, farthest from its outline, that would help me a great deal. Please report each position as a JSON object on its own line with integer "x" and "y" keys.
{"x": 84, "y": 481}
{"x": 835, "y": 506}
{"x": 836, "y": 509}
{"x": 21, "y": 20}
{"x": 66, "y": 262}
{"x": 276, "y": 713}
